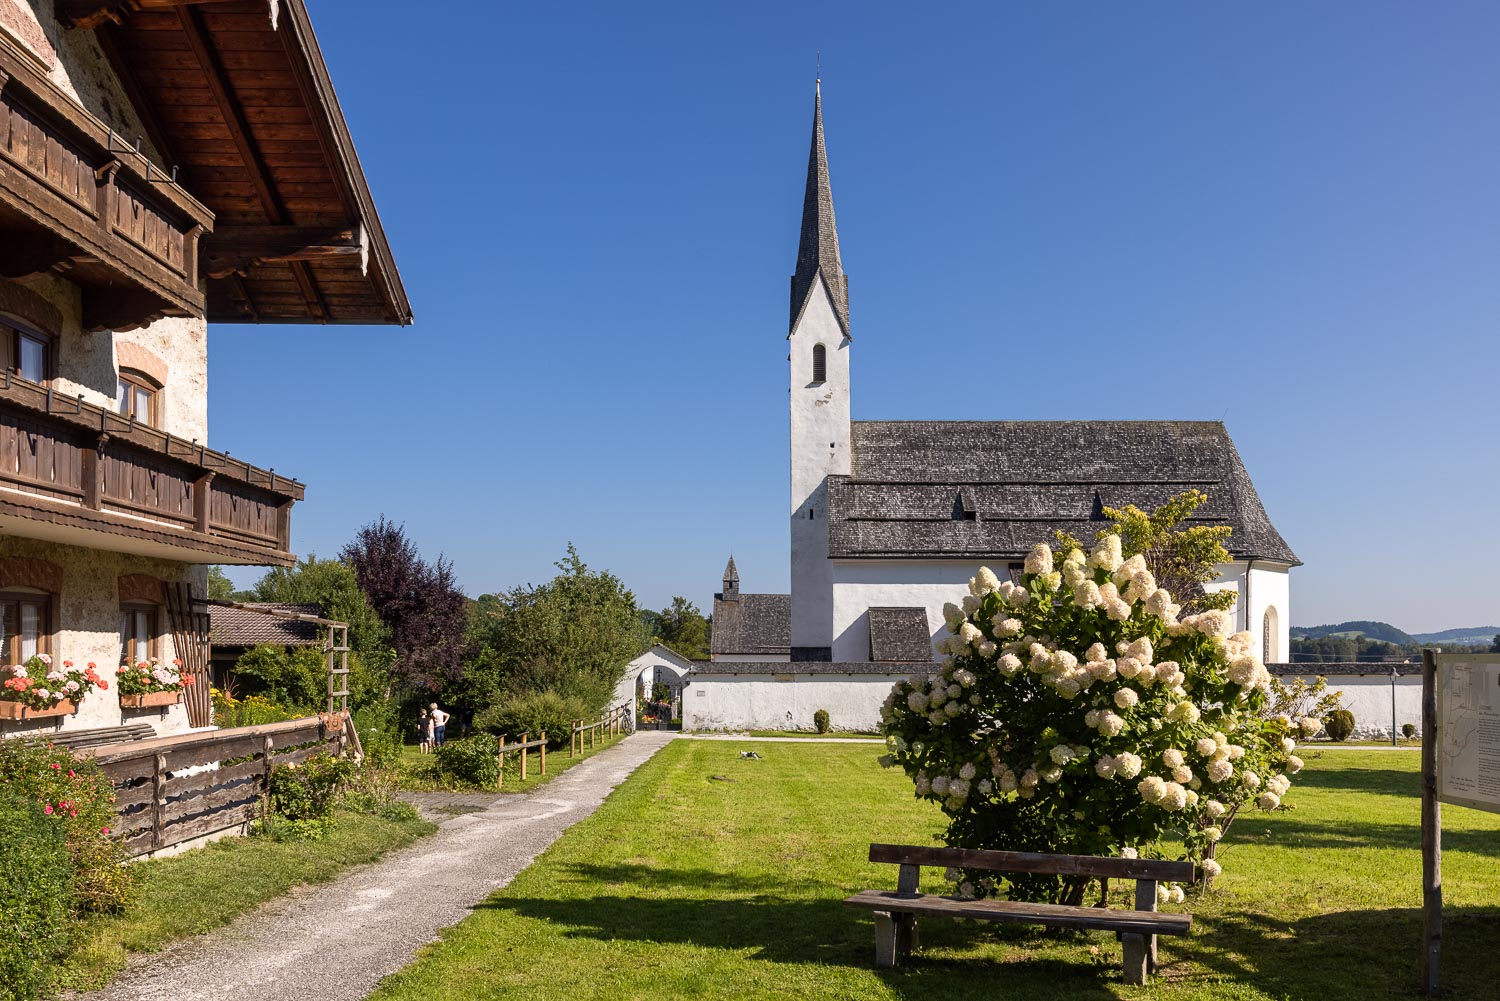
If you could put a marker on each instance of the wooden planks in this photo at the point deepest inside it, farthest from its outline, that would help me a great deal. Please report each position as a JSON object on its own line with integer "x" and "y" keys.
{"x": 1055, "y": 865}
{"x": 1011, "y": 911}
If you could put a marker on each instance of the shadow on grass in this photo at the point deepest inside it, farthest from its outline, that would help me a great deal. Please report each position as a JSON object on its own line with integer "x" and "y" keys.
{"x": 1347, "y": 954}
{"x": 770, "y": 920}
{"x": 1377, "y": 781}
{"x": 1357, "y": 833}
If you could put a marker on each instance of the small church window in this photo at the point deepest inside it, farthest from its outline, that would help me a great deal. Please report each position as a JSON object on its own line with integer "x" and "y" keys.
{"x": 820, "y": 363}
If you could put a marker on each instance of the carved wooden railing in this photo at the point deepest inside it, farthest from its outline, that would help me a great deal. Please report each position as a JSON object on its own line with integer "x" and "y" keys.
{"x": 172, "y": 789}
{"x": 64, "y": 450}
{"x": 99, "y": 208}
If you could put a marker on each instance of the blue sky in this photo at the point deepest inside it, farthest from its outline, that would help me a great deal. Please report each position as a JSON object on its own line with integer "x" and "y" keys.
{"x": 1282, "y": 215}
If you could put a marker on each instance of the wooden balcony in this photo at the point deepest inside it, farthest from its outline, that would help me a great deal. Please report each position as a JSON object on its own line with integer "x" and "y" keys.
{"x": 78, "y": 200}
{"x": 80, "y": 474}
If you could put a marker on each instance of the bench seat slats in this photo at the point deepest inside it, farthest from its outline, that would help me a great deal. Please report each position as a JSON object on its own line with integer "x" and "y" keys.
{"x": 1053, "y": 865}
{"x": 1139, "y": 922}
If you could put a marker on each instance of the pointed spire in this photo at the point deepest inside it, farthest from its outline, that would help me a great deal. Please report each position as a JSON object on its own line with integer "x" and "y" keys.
{"x": 818, "y": 249}
{"x": 731, "y": 581}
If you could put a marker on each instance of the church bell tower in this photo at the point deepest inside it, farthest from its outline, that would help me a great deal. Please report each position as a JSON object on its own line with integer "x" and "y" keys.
{"x": 819, "y": 340}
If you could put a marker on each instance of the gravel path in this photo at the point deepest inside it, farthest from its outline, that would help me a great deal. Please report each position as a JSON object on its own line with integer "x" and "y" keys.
{"x": 335, "y": 941}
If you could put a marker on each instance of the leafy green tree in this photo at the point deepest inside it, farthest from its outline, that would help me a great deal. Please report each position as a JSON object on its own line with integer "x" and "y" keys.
{"x": 572, "y": 635}
{"x": 221, "y": 588}
{"x": 331, "y": 585}
{"x": 1182, "y": 560}
{"x": 296, "y": 678}
{"x": 681, "y": 627}
{"x": 1495, "y": 646}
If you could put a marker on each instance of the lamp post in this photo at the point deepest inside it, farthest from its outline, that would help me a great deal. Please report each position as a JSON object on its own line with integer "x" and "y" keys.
{"x": 1394, "y": 675}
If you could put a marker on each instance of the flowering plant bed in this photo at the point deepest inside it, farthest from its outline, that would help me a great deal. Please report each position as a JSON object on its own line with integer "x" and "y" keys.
{"x": 38, "y": 688}
{"x": 151, "y": 678}
{"x": 149, "y": 700}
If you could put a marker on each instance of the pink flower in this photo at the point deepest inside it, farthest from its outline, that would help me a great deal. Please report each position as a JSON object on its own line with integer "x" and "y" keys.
{"x": 48, "y": 811}
{"x": 106, "y": 830}
{"x": 56, "y": 766}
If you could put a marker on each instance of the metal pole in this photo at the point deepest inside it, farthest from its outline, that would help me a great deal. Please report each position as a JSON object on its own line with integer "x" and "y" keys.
{"x": 1393, "y": 705}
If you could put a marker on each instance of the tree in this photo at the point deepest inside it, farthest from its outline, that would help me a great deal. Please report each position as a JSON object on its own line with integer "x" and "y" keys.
{"x": 572, "y": 635}
{"x": 681, "y": 627}
{"x": 1181, "y": 560}
{"x": 221, "y": 588}
{"x": 419, "y": 602}
{"x": 333, "y": 587}
{"x": 1495, "y": 646}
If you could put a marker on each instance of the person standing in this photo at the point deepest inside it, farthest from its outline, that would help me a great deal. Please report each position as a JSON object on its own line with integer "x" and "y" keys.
{"x": 439, "y": 722}
{"x": 424, "y": 733}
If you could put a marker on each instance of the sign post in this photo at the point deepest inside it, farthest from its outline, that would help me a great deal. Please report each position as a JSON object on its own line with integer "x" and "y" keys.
{"x": 1460, "y": 765}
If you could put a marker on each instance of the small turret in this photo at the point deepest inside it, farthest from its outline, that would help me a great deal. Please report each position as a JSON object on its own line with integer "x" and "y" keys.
{"x": 731, "y": 582}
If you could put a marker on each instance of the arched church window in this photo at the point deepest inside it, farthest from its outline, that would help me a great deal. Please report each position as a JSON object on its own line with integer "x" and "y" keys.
{"x": 1268, "y": 640}
{"x": 820, "y": 363}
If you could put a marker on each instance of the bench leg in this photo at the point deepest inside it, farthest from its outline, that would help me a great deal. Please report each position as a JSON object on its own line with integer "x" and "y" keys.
{"x": 1151, "y": 954}
{"x": 906, "y": 935}
{"x": 885, "y": 940}
{"x": 1136, "y": 961}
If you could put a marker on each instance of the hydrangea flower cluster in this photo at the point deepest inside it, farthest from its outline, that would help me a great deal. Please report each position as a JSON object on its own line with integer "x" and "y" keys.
{"x": 1079, "y": 711}
{"x": 148, "y": 676}
{"x": 39, "y": 684}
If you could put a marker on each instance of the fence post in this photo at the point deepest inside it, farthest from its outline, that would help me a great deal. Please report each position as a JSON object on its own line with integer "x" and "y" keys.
{"x": 267, "y": 748}
{"x": 544, "y": 752}
{"x": 500, "y": 757}
{"x": 159, "y": 797}
{"x": 572, "y": 737}
{"x": 525, "y": 753}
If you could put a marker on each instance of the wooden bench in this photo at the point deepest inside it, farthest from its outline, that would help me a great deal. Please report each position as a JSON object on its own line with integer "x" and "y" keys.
{"x": 104, "y": 736}
{"x": 896, "y": 912}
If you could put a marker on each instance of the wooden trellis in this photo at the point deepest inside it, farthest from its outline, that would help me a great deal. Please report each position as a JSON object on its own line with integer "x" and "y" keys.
{"x": 335, "y": 646}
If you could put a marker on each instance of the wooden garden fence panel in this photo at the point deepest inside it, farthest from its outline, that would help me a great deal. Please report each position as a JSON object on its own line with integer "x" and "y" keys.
{"x": 173, "y": 789}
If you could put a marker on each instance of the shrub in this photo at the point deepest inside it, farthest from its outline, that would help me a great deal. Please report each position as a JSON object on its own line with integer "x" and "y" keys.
{"x": 1077, "y": 713}
{"x": 75, "y": 796}
{"x": 1408, "y": 730}
{"x": 253, "y": 710}
{"x": 1339, "y": 725}
{"x": 533, "y": 714}
{"x": 308, "y": 791}
{"x": 34, "y": 896}
{"x": 472, "y": 760}
{"x": 820, "y": 720}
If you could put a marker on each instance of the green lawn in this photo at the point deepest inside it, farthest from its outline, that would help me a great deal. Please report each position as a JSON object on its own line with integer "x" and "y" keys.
{"x": 208, "y": 887}
{"x": 683, "y": 885}
{"x": 418, "y": 772}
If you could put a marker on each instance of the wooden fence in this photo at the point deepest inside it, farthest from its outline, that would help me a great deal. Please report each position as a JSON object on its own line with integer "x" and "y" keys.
{"x": 523, "y": 748}
{"x": 611, "y": 722}
{"x": 172, "y": 789}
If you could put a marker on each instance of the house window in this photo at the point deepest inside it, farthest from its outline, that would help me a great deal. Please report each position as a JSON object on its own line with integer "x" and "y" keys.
{"x": 137, "y": 397}
{"x": 1270, "y": 629}
{"x": 820, "y": 363}
{"x": 24, "y": 626}
{"x": 24, "y": 352}
{"x": 137, "y": 632}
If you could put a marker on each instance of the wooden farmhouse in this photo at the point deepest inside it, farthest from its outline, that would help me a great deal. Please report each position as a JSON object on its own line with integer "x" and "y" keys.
{"x": 164, "y": 164}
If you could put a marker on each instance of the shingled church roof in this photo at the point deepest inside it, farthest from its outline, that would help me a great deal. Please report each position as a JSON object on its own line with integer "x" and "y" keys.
{"x": 752, "y": 624}
{"x": 993, "y": 489}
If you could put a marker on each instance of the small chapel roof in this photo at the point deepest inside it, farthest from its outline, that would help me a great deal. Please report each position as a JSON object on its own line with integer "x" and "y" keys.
{"x": 752, "y": 624}
{"x": 993, "y": 489}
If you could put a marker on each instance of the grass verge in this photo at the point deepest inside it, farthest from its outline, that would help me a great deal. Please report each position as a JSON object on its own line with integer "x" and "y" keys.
{"x": 418, "y": 772}
{"x": 208, "y": 887}
{"x": 707, "y": 875}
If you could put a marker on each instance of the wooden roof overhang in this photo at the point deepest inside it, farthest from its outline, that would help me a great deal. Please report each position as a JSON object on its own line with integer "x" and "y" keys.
{"x": 236, "y": 95}
{"x": 75, "y": 198}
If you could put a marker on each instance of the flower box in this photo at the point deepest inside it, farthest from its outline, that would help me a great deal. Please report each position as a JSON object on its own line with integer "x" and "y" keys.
{"x": 150, "y": 700}
{"x": 14, "y": 710}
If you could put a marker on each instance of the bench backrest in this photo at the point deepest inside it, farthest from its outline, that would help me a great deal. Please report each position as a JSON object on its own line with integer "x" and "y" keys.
{"x": 1093, "y": 866}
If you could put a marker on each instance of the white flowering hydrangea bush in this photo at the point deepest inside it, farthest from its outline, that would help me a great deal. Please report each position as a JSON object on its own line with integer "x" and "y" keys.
{"x": 1075, "y": 712}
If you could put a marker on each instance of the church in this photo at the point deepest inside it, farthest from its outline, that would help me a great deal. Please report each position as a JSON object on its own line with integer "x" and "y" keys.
{"x": 890, "y": 519}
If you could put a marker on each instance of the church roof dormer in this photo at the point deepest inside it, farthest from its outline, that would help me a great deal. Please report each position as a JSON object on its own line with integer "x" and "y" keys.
{"x": 818, "y": 248}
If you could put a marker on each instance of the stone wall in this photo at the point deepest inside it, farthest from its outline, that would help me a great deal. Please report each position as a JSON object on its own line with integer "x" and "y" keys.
{"x": 89, "y": 629}
{"x": 762, "y": 702}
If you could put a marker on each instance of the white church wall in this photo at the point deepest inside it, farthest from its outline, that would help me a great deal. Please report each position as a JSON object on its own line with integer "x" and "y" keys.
{"x": 1368, "y": 697}
{"x": 1260, "y": 587}
{"x": 784, "y": 702}
{"x": 820, "y": 448}
{"x": 859, "y": 585}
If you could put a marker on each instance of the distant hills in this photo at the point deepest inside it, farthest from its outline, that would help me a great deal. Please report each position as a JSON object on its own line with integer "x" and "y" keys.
{"x": 1386, "y": 633}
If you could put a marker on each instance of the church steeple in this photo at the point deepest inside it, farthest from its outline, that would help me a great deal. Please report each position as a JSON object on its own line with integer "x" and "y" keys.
{"x": 818, "y": 249}
{"x": 731, "y": 582}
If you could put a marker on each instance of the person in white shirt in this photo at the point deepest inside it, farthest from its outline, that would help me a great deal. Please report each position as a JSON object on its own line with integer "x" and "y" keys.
{"x": 439, "y": 721}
